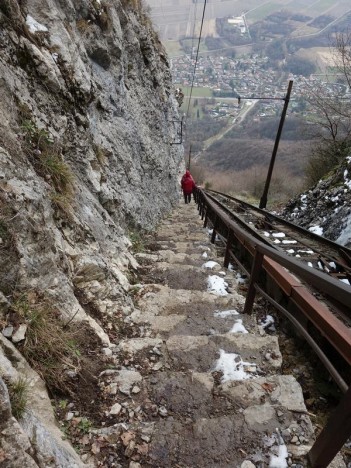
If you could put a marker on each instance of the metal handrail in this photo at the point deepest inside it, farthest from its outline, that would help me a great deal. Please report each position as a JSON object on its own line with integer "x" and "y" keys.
{"x": 274, "y": 263}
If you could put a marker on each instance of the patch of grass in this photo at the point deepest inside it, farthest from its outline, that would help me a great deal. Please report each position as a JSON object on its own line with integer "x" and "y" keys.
{"x": 101, "y": 153}
{"x": 4, "y": 233}
{"x": 56, "y": 170}
{"x": 62, "y": 404}
{"x": 62, "y": 205}
{"x": 85, "y": 425}
{"x": 18, "y": 392}
{"x": 48, "y": 345}
{"x": 83, "y": 25}
{"x": 137, "y": 241}
{"x": 47, "y": 158}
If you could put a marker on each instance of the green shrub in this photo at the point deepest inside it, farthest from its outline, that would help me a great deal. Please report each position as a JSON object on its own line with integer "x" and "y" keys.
{"x": 136, "y": 240}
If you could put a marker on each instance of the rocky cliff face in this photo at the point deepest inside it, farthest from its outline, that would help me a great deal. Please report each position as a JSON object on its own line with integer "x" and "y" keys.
{"x": 326, "y": 208}
{"x": 87, "y": 118}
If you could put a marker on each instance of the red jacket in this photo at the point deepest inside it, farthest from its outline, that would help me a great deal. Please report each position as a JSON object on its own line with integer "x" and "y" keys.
{"x": 188, "y": 183}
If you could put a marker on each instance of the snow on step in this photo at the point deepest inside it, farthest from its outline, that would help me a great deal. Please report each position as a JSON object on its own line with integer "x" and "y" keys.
{"x": 223, "y": 442}
{"x": 166, "y": 300}
{"x": 201, "y": 353}
{"x": 201, "y": 320}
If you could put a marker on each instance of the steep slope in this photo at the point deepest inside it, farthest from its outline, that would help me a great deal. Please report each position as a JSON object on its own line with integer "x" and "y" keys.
{"x": 87, "y": 118}
{"x": 326, "y": 208}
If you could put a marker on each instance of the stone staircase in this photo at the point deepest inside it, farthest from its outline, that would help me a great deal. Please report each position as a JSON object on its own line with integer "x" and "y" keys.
{"x": 207, "y": 377}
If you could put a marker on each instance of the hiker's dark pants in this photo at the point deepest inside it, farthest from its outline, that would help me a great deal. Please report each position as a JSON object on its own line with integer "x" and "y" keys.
{"x": 187, "y": 197}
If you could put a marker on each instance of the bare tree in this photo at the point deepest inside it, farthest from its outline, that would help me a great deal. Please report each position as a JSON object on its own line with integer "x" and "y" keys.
{"x": 330, "y": 120}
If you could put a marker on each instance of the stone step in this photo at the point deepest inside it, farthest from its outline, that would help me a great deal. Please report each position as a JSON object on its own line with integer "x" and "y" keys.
{"x": 206, "y": 322}
{"x": 197, "y": 395}
{"x": 179, "y": 276}
{"x": 263, "y": 404}
{"x": 250, "y": 355}
{"x": 180, "y": 235}
{"x": 218, "y": 442}
{"x": 178, "y": 246}
{"x": 157, "y": 299}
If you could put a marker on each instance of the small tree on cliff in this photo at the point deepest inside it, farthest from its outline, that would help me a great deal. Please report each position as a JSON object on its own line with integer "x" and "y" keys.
{"x": 332, "y": 118}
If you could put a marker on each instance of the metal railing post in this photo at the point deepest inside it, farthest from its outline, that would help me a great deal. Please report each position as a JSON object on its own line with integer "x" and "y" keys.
{"x": 251, "y": 293}
{"x": 334, "y": 434}
{"x": 227, "y": 249}
{"x": 215, "y": 224}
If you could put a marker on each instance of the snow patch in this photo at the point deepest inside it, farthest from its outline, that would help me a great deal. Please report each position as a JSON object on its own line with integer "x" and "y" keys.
{"x": 289, "y": 241}
{"x": 225, "y": 313}
{"x": 210, "y": 264}
{"x": 233, "y": 367}
{"x": 238, "y": 327}
{"x": 316, "y": 230}
{"x": 204, "y": 255}
{"x": 34, "y": 26}
{"x": 345, "y": 235}
{"x": 345, "y": 280}
{"x": 278, "y": 234}
{"x": 267, "y": 322}
{"x": 279, "y": 461}
{"x": 217, "y": 285}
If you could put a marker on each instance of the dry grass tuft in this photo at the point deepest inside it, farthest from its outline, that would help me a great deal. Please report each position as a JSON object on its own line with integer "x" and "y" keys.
{"x": 49, "y": 346}
{"x": 18, "y": 392}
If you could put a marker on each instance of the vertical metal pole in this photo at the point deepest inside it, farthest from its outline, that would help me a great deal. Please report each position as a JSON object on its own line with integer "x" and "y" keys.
{"x": 263, "y": 201}
{"x": 334, "y": 435}
{"x": 227, "y": 249}
{"x": 189, "y": 162}
{"x": 255, "y": 271}
{"x": 215, "y": 224}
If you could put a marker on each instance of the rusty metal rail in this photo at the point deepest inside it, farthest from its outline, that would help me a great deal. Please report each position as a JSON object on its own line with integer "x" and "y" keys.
{"x": 340, "y": 254}
{"x": 291, "y": 286}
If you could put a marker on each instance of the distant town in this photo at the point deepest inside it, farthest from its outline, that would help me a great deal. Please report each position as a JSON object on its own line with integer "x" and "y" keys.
{"x": 236, "y": 81}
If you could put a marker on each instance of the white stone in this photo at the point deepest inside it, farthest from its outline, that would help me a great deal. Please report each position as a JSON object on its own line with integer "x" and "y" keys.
{"x": 69, "y": 416}
{"x": 115, "y": 409}
{"x": 20, "y": 333}
{"x": 7, "y": 332}
{"x": 247, "y": 464}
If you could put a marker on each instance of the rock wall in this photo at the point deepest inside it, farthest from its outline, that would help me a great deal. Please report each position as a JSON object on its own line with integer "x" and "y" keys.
{"x": 325, "y": 209}
{"x": 87, "y": 121}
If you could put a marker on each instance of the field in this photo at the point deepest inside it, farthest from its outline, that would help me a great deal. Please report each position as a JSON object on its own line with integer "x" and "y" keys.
{"x": 320, "y": 7}
{"x": 182, "y": 19}
{"x": 197, "y": 92}
{"x": 173, "y": 48}
{"x": 261, "y": 12}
